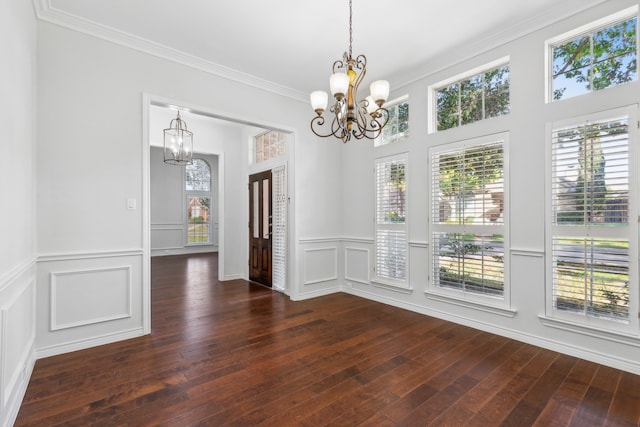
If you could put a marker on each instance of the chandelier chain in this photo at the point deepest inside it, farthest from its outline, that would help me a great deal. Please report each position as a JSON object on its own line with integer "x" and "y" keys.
{"x": 350, "y": 28}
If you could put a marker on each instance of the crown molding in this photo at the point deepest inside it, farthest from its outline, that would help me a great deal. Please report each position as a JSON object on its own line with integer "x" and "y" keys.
{"x": 45, "y": 12}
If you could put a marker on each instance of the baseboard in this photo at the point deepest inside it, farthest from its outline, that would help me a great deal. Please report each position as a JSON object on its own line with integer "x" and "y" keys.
{"x": 183, "y": 251}
{"x": 83, "y": 344}
{"x": 315, "y": 294}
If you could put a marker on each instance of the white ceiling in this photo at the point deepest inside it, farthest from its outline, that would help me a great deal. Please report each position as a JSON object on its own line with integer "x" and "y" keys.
{"x": 291, "y": 44}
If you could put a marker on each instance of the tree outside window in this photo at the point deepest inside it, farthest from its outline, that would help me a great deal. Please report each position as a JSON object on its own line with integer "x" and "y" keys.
{"x": 594, "y": 61}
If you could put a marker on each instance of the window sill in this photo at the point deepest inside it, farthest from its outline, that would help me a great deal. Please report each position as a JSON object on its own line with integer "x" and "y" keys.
{"x": 505, "y": 312}
{"x": 614, "y": 336}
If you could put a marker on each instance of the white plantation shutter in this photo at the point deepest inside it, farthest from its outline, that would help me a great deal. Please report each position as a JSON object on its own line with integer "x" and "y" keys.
{"x": 279, "y": 243}
{"x": 391, "y": 221}
{"x": 591, "y": 186}
{"x": 467, "y": 218}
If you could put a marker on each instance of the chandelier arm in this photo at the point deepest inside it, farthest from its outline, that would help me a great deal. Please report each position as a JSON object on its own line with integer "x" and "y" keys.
{"x": 339, "y": 130}
{"x": 336, "y": 130}
{"x": 318, "y": 121}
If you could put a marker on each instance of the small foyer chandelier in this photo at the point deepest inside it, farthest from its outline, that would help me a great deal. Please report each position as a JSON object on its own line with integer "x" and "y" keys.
{"x": 360, "y": 119}
{"x": 178, "y": 143}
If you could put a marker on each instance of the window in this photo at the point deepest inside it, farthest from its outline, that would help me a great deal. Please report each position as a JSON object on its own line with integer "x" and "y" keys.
{"x": 391, "y": 220}
{"x": 398, "y": 126}
{"x": 481, "y": 96}
{"x": 593, "y": 238}
{"x": 601, "y": 56}
{"x": 269, "y": 145}
{"x": 279, "y": 228}
{"x": 468, "y": 232}
{"x": 198, "y": 187}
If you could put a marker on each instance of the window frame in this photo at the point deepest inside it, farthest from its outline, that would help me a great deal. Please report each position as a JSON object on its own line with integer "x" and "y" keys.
{"x": 432, "y": 118}
{"x": 571, "y": 318}
{"x": 587, "y": 30}
{"x": 486, "y": 302}
{"x": 393, "y": 283}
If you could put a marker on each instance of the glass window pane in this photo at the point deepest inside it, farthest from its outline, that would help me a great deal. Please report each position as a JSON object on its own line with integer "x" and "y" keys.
{"x": 265, "y": 208}
{"x": 198, "y": 212}
{"x": 469, "y": 262}
{"x": 198, "y": 176}
{"x": 471, "y": 100}
{"x": 256, "y": 210}
{"x": 591, "y": 276}
{"x": 602, "y": 59}
{"x": 447, "y": 100}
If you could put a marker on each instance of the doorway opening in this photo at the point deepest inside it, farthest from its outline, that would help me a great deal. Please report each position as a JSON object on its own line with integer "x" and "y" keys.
{"x": 229, "y": 141}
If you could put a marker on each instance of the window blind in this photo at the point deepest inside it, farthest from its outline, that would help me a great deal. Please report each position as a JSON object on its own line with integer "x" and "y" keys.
{"x": 279, "y": 228}
{"x": 390, "y": 214}
{"x": 590, "y": 183}
{"x": 467, "y": 218}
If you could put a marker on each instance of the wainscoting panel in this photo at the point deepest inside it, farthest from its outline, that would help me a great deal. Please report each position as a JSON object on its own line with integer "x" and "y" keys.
{"x": 91, "y": 296}
{"x": 88, "y": 299}
{"x": 17, "y": 337}
{"x": 321, "y": 265}
{"x": 357, "y": 266}
{"x": 167, "y": 236}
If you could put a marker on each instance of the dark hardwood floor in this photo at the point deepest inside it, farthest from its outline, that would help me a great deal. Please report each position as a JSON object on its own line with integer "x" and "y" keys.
{"x": 236, "y": 353}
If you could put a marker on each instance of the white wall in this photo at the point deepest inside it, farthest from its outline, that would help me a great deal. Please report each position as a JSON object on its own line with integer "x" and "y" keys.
{"x": 90, "y": 162}
{"x": 17, "y": 214}
{"x": 526, "y": 125}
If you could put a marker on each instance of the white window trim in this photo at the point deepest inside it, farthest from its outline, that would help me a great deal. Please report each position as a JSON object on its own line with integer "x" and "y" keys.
{"x": 575, "y": 322}
{"x": 432, "y": 118}
{"x": 497, "y": 305}
{"x": 384, "y": 282}
{"x": 589, "y": 28}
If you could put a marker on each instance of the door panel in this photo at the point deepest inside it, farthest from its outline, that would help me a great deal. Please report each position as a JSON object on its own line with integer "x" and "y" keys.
{"x": 260, "y": 228}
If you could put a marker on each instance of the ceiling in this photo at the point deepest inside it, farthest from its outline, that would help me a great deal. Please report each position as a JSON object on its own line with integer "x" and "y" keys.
{"x": 290, "y": 45}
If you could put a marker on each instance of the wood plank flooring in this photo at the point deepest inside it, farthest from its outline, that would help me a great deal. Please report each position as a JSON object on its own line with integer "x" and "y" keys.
{"x": 236, "y": 353}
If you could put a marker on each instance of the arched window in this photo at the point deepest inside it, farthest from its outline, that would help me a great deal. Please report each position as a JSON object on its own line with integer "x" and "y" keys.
{"x": 198, "y": 190}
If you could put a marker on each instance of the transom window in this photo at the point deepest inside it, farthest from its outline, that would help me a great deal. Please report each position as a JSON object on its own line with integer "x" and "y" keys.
{"x": 398, "y": 126}
{"x": 269, "y": 145}
{"x": 602, "y": 56}
{"x": 467, "y": 218}
{"x": 467, "y": 100}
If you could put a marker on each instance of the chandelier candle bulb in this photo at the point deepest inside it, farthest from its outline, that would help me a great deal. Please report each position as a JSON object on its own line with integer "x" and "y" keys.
{"x": 379, "y": 91}
{"x": 339, "y": 84}
{"x": 319, "y": 101}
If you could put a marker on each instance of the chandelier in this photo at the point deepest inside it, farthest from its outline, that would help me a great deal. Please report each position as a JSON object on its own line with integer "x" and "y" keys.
{"x": 360, "y": 119}
{"x": 178, "y": 143}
